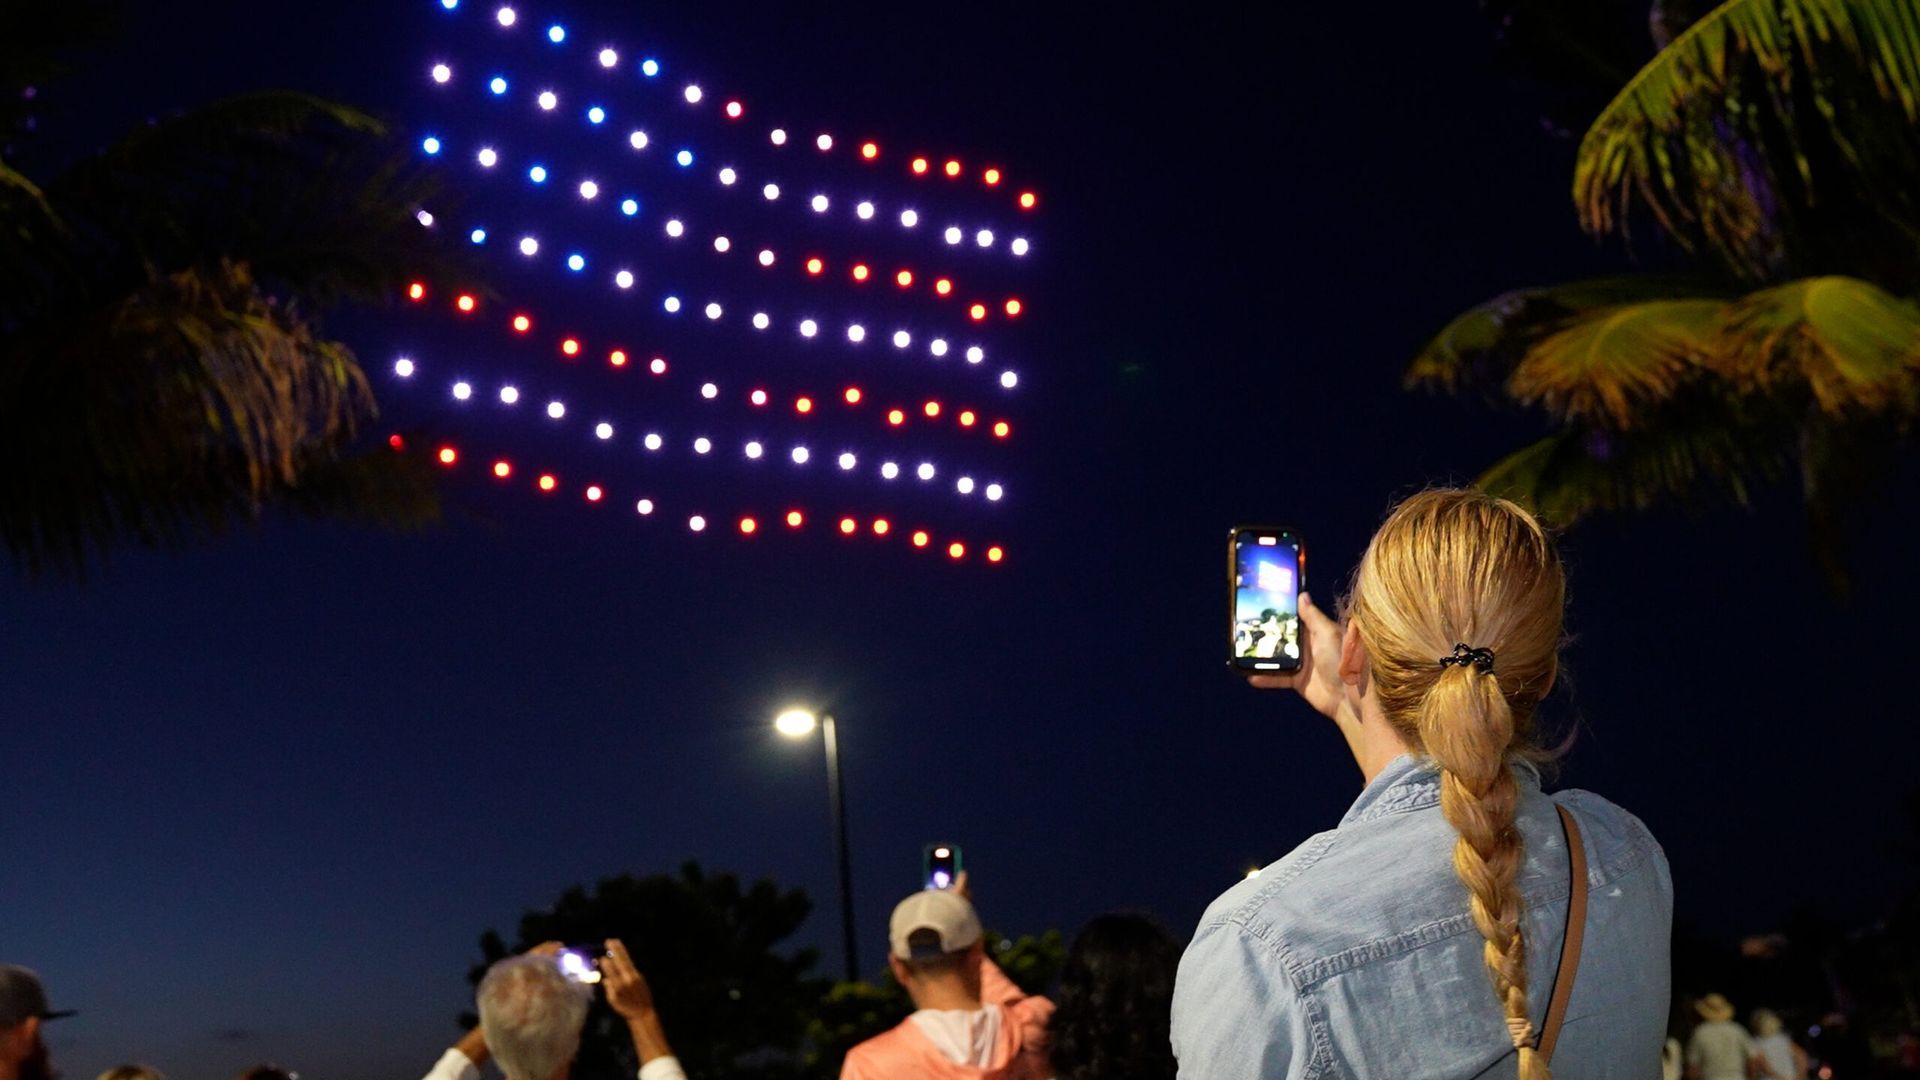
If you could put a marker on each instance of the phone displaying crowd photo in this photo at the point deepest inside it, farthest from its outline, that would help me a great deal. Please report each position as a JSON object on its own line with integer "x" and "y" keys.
{"x": 1264, "y": 567}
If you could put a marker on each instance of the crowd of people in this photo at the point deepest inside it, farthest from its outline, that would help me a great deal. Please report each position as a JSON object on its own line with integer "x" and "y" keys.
{"x": 1457, "y": 922}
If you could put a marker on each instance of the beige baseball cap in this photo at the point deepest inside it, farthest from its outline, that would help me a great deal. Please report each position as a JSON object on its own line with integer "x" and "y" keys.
{"x": 942, "y": 911}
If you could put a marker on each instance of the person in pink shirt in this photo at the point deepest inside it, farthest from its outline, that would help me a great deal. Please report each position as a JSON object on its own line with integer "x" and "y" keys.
{"x": 970, "y": 1021}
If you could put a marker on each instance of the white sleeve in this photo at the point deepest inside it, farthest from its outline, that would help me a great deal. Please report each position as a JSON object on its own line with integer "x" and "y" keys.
{"x": 453, "y": 1065}
{"x": 663, "y": 1068}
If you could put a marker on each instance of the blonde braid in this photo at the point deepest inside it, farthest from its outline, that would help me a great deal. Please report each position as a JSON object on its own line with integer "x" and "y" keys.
{"x": 1459, "y": 566}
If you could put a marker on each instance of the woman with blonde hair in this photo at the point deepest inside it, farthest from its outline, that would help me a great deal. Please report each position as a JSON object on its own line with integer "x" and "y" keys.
{"x": 1458, "y": 922}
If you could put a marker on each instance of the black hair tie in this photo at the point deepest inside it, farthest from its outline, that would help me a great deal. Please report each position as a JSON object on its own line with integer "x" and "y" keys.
{"x": 1462, "y": 655}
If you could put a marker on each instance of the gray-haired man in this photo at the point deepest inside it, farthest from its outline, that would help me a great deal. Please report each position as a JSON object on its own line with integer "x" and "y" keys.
{"x": 531, "y": 1014}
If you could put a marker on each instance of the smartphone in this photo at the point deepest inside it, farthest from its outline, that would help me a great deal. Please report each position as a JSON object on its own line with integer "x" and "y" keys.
{"x": 1266, "y": 565}
{"x": 581, "y": 963}
{"x": 942, "y": 866}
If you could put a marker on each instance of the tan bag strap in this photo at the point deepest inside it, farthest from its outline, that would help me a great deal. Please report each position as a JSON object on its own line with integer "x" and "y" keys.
{"x": 1570, "y": 942}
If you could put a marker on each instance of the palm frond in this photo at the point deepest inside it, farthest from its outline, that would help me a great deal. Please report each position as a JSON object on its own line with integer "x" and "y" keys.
{"x": 313, "y": 195}
{"x": 1608, "y": 366}
{"x": 1855, "y": 346}
{"x": 1482, "y": 346}
{"x": 1752, "y": 117}
{"x": 1706, "y": 449}
{"x": 189, "y": 405}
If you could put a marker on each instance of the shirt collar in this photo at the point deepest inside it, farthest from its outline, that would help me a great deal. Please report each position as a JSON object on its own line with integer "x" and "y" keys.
{"x": 1412, "y": 782}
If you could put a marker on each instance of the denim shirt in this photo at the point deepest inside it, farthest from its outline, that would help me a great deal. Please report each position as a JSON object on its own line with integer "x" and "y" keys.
{"x": 1355, "y": 956}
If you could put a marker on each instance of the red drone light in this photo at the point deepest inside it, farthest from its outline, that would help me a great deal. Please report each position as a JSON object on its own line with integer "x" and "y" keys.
{"x": 1027, "y": 199}
{"x": 992, "y": 176}
{"x": 921, "y": 539}
{"x": 547, "y": 482}
{"x": 747, "y": 525}
{"x": 847, "y": 526}
{"x": 904, "y": 278}
{"x": 618, "y": 358}
{"x": 1013, "y": 307}
{"x": 896, "y": 417}
{"x": 465, "y": 302}
{"x": 967, "y": 418}
{"x": 919, "y": 166}
{"x": 803, "y": 405}
{"x": 860, "y": 272}
{"x": 417, "y": 291}
{"x": 594, "y": 493}
{"x": 978, "y": 312}
{"x": 396, "y": 442}
{"x": 953, "y": 168}
{"x": 869, "y": 150}
{"x": 853, "y": 395}
{"x": 795, "y": 519}
{"x": 448, "y": 456}
{"x": 735, "y": 110}
{"x": 957, "y": 549}
{"x": 881, "y": 527}
{"x": 522, "y": 323}
{"x": 814, "y": 265}
{"x": 994, "y": 554}
{"x": 1002, "y": 429}
{"x": 502, "y": 470}
{"x": 932, "y": 409}
{"x": 943, "y": 286}
{"x": 570, "y": 346}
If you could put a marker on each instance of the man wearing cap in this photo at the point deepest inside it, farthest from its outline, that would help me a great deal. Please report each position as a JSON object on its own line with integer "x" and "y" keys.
{"x": 23, "y": 1008}
{"x": 970, "y": 1021}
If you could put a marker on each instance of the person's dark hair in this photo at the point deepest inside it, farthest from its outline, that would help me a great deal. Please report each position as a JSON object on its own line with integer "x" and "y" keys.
{"x": 1115, "y": 1003}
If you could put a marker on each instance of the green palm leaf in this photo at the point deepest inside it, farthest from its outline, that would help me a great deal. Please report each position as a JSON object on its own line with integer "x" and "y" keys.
{"x": 1704, "y": 449}
{"x": 1611, "y": 363}
{"x": 1763, "y": 115}
{"x": 1482, "y": 347}
{"x": 1853, "y": 345}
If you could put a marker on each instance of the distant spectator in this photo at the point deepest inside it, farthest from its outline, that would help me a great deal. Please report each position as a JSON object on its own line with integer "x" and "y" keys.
{"x": 268, "y": 1072}
{"x": 1720, "y": 1049}
{"x": 531, "y": 1015}
{"x": 1116, "y": 995}
{"x": 23, "y": 1011}
{"x": 131, "y": 1072}
{"x": 970, "y": 1021}
{"x": 1673, "y": 1060}
{"x": 1777, "y": 1056}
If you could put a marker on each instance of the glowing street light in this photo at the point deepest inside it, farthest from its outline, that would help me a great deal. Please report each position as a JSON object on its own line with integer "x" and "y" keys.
{"x": 798, "y": 723}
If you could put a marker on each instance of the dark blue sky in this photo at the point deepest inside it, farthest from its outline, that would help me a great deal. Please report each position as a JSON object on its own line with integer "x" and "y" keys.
{"x": 263, "y": 796}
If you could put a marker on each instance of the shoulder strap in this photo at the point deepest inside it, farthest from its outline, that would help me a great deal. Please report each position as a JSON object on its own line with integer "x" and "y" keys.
{"x": 1570, "y": 942}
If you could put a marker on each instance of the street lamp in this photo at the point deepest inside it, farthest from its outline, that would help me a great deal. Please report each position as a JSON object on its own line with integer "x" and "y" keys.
{"x": 798, "y": 724}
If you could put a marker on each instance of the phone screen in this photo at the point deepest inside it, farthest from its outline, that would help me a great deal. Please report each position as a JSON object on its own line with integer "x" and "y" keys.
{"x": 581, "y": 963}
{"x": 1266, "y": 566}
{"x": 942, "y": 865}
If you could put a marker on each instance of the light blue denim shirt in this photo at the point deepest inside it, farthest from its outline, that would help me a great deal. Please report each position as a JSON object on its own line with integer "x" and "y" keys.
{"x": 1355, "y": 955}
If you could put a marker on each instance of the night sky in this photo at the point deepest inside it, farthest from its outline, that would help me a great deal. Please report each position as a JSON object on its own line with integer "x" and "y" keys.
{"x": 261, "y": 797}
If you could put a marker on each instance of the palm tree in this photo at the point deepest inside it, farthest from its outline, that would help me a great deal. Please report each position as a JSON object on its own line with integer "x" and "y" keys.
{"x": 1774, "y": 149}
{"x": 162, "y": 373}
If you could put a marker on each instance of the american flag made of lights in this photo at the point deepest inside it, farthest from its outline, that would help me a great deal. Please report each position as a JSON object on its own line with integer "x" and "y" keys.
{"x": 711, "y": 317}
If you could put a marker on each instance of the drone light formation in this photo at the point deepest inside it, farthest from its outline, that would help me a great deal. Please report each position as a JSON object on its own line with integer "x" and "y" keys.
{"x": 779, "y": 325}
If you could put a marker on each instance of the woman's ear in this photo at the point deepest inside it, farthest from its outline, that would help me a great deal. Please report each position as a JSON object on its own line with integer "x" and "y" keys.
{"x": 1353, "y": 656}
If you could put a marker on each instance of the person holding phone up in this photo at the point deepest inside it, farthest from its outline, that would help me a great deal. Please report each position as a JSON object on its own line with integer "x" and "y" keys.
{"x": 1457, "y": 922}
{"x": 531, "y": 1014}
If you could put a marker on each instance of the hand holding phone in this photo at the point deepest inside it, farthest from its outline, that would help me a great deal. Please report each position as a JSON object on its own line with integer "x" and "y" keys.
{"x": 1266, "y": 566}
{"x": 941, "y": 866}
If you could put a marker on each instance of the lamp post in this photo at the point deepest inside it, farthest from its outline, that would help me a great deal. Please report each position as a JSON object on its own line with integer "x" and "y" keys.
{"x": 798, "y": 724}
